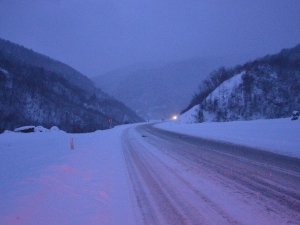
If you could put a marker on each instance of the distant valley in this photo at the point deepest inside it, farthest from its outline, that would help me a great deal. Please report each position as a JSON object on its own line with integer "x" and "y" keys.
{"x": 157, "y": 91}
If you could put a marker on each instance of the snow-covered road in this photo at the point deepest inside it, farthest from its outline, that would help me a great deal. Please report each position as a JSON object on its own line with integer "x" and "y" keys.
{"x": 185, "y": 180}
{"x": 138, "y": 174}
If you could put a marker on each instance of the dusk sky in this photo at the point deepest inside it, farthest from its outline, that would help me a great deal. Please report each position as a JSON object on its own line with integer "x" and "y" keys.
{"x": 95, "y": 36}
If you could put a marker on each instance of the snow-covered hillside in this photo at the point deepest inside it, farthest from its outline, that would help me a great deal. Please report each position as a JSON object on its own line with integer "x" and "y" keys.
{"x": 276, "y": 135}
{"x": 265, "y": 88}
{"x": 190, "y": 116}
{"x": 225, "y": 89}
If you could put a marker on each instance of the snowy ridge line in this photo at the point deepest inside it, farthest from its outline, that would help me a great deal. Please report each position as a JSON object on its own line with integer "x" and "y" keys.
{"x": 223, "y": 91}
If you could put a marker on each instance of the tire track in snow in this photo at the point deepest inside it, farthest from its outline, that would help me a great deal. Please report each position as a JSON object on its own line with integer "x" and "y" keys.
{"x": 280, "y": 184}
{"x": 154, "y": 203}
{"x": 146, "y": 172}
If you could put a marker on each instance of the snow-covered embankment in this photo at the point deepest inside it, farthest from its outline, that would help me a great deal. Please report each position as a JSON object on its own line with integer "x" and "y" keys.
{"x": 44, "y": 180}
{"x": 281, "y": 136}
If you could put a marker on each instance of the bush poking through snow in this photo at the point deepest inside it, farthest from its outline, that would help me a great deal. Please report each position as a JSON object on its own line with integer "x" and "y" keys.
{"x": 295, "y": 115}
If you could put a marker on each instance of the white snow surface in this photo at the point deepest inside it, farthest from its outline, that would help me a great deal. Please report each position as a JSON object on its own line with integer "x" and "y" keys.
{"x": 59, "y": 178}
{"x": 189, "y": 116}
{"x": 223, "y": 91}
{"x": 280, "y": 136}
{"x": 38, "y": 129}
{"x": 43, "y": 181}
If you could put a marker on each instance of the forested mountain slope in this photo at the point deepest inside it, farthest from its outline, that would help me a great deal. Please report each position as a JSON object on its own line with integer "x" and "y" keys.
{"x": 268, "y": 87}
{"x": 36, "y": 90}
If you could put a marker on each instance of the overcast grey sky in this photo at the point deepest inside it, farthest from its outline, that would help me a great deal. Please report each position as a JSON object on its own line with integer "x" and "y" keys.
{"x": 95, "y": 36}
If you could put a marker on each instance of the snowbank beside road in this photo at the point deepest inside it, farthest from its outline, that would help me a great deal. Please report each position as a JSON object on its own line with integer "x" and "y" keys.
{"x": 44, "y": 181}
{"x": 281, "y": 136}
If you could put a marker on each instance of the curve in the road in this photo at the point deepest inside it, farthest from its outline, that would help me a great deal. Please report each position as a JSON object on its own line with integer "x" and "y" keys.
{"x": 179, "y": 179}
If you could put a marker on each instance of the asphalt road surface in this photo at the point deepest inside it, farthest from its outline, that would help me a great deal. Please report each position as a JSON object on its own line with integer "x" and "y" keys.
{"x": 178, "y": 179}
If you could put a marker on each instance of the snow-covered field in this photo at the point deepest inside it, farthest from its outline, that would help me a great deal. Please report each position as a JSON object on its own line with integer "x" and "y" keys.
{"x": 281, "y": 136}
{"x": 43, "y": 181}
